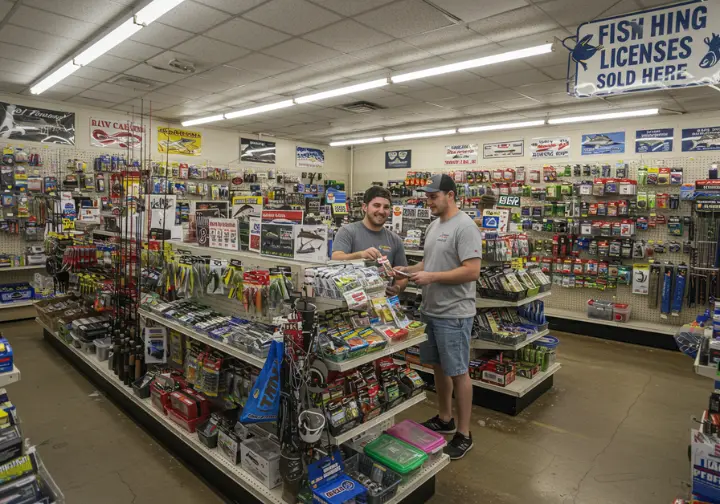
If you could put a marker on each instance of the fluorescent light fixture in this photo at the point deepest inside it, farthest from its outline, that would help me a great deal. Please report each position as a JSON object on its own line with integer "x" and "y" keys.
{"x": 203, "y": 120}
{"x": 342, "y": 91}
{"x": 474, "y": 63}
{"x": 67, "y": 69}
{"x": 154, "y": 10}
{"x": 109, "y": 41}
{"x": 260, "y": 109}
{"x": 505, "y": 126}
{"x": 423, "y": 134}
{"x": 603, "y": 117}
{"x": 356, "y": 141}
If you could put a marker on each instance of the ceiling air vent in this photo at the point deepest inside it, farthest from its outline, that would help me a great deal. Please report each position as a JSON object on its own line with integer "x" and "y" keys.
{"x": 360, "y": 107}
{"x": 180, "y": 66}
{"x": 133, "y": 82}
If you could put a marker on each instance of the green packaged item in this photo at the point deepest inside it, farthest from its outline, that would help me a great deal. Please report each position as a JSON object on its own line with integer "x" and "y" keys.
{"x": 397, "y": 455}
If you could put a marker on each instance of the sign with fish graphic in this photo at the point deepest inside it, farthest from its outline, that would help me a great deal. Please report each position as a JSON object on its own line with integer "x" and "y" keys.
{"x": 701, "y": 139}
{"x": 541, "y": 148}
{"x": 654, "y": 140}
{"x": 179, "y": 141}
{"x": 666, "y": 47}
{"x": 109, "y": 134}
{"x": 511, "y": 148}
{"x": 603, "y": 143}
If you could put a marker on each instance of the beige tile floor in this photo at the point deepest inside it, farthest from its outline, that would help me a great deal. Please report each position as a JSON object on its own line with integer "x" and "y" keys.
{"x": 613, "y": 430}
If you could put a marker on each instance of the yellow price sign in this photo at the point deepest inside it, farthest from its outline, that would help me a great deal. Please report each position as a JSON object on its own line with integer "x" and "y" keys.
{"x": 68, "y": 224}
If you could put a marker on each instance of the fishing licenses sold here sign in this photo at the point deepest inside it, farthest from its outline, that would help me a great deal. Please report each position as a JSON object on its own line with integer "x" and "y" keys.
{"x": 675, "y": 46}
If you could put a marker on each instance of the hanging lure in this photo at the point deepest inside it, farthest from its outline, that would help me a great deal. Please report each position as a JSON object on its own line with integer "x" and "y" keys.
{"x": 679, "y": 290}
{"x": 666, "y": 297}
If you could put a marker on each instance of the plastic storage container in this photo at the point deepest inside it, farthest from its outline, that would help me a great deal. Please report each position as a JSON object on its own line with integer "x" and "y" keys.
{"x": 621, "y": 312}
{"x": 399, "y": 456}
{"x": 599, "y": 309}
{"x": 87, "y": 347}
{"x": 75, "y": 341}
{"x": 102, "y": 348}
{"x": 362, "y": 468}
{"x": 420, "y": 437}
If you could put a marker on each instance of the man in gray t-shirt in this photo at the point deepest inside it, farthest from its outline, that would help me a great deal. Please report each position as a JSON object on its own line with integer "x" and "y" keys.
{"x": 368, "y": 239}
{"x": 447, "y": 274}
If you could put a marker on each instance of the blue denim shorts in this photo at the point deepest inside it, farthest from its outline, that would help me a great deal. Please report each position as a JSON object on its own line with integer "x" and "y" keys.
{"x": 448, "y": 344}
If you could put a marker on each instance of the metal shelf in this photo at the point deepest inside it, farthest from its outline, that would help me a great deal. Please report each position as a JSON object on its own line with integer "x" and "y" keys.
{"x": 490, "y": 345}
{"x": 10, "y": 377}
{"x": 638, "y": 325}
{"x": 16, "y": 304}
{"x": 426, "y": 472}
{"x": 356, "y": 431}
{"x": 21, "y": 268}
{"x": 416, "y": 253}
{"x": 236, "y": 472}
{"x": 188, "y": 331}
{"x": 499, "y": 303}
{"x": 388, "y": 350}
{"x": 239, "y": 254}
{"x": 705, "y": 371}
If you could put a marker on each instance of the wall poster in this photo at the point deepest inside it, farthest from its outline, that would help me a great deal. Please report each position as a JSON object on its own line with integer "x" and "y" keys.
{"x": 30, "y": 124}
{"x": 179, "y": 141}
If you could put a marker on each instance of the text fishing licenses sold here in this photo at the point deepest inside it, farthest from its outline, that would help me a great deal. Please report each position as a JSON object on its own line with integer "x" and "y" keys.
{"x": 461, "y": 154}
{"x": 675, "y": 46}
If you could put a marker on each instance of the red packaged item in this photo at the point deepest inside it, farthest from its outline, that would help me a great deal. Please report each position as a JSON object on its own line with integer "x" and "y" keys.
{"x": 499, "y": 373}
{"x": 188, "y": 409}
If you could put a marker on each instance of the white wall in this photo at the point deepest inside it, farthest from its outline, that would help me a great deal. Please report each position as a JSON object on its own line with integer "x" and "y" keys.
{"x": 220, "y": 147}
{"x": 428, "y": 154}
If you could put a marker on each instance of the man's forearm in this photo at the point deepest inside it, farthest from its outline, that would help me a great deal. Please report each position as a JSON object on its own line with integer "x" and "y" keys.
{"x": 339, "y": 255}
{"x": 461, "y": 275}
{"x": 415, "y": 268}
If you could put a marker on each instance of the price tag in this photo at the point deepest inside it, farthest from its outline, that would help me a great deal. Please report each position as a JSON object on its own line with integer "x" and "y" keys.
{"x": 508, "y": 201}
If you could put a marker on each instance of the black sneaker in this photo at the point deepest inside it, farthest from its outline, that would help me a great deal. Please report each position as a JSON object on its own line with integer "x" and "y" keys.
{"x": 437, "y": 425}
{"x": 459, "y": 446}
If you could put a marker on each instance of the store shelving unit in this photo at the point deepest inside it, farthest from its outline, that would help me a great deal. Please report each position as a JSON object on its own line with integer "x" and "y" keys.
{"x": 19, "y": 310}
{"x": 497, "y": 303}
{"x": 481, "y": 344}
{"x": 349, "y": 364}
{"x": 704, "y": 370}
{"x": 10, "y": 377}
{"x": 632, "y": 324}
{"x": 415, "y": 253}
{"x": 23, "y": 268}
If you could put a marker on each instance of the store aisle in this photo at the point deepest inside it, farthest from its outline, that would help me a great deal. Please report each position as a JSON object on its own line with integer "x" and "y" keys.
{"x": 613, "y": 430}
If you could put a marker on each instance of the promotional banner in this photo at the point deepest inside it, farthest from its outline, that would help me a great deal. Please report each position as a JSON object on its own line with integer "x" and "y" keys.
{"x": 255, "y": 225}
{"x": 654, "y": 140}
{"x": 311, "y": 243}
{"x": 30, "y": 124}
{"x": 398, "y": 159}
{"x": 282, "y": 216}
{"x": 115, "y": 134}
{"x": 307, "y": 157}
{"x": 179, "y": 141}
{"x": 257, "y": 151}
{"x": 603, "y": 143}
{"x": 513, "y": 148}
{"x": 277, "y": 240}
{"x": 223, "y": 233}
{"x": 162, "y": 215}
{"x": 701, "y": 139}
{"x": 461, "y": 154}
{"x": 675, "y": 46}
{"x": 244, "y": 207}
{"x": 541, "y": 148}
{"x": 200, "y": 219}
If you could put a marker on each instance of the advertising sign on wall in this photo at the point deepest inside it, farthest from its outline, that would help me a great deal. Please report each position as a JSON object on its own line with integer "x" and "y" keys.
{"x": 541, "y": 148}
{"x": 603, "y": 143}
{"x": 398, "y": 159}
{"x": 654, "y": 140}
{"x": 307, "y": 157}
{"x": 675, "y": 46}
{"x": 110, "y": 134}
{"x": 257, "y": 151}
{"x": 223, "y": 233}
{"x": 179, "y": 141}
{"x": 701, "y": 139}
{"x": 30, "y": 124}
{"x": 461, "y": 154}
{"x": 512, "y": 148}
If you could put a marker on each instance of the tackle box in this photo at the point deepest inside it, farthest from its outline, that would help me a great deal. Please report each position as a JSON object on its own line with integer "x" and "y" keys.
{"x": 102, "y": 348}
{"x": 380, "y": 482}
{"x": 621, "y": 312}
{"x": 401, "y": 457}
{"x": 420, "y": 437}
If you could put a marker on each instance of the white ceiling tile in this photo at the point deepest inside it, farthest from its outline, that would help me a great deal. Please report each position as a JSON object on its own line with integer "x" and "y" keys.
{"x": 263, "y": 64}
{"x": 392, "y": 53}
{"x": 470, "y": 10}
{"x": 419, "y": 65}
{"x": 61, "y": 92}
{"x": 95, "y": 74}
{"x": 10, "y": 87}
{"x": 456, "y": 103}
{"x": 515, "y": 79}
{"x": 232, "y": 6}
{"x": 79, "y": 82}
{"x": 135, "y": 51}
{"x": 36, "y": 40}
{"x": 178, "y": 90}
{"x": 28, "y": 69}
{"x": 163, "y": 60}
{"x": 158, "y": 100}
{"x": 501, "y": 68}
{"x": 344, "y": 66}
{"x": 557, "y": 98}
{"x": 519, "y": 103}
{"x": 93, "y": 11}
{"x": 91, "y": 102}
{"x": 432, "y": 94}
{"x": 54, "y": 24}
{"x": 350, "y": 7}
{"x": 451, "y": 78}
{"x": 231, "y": 75}
{"x": 394, "y": 100}
{"x": 472, "y": 86}
{"x": 567, "y": 12}
{"x": 5, "y": 7}
{"x": 292, "y": 16}
{"x": 301, "y": 51}
{"x": 209, "y": 50}
{"x": 348, "y": 36}
{"x": 210, "y": 85}
{"x": 556, "y": 71}
{"x": 125, "y": 108}
{"x": 448, "y": 40}
{"x": 514, "y": 24}
{"x": 405, "y": 18}
{"x": 106, "y": 97}
{"x": 535, "y": 90}
{"x": 112, "y": 63}
{"x": 194, "y": 17}
{"x": 495, "y": 95}
{"x": 119, "y": 90}
{"x": 484, "y": 108}
{"x": 147, "y": 72}
{"x": 245, "y": 33}
{"x": 160, "y": 35}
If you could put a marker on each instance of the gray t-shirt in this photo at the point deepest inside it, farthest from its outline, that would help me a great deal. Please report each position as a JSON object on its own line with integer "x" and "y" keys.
{"x": 355, "y": 237}
{"x": 447, "y": 245}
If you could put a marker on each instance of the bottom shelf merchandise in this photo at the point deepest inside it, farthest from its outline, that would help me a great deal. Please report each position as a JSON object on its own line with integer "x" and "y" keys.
{"x": 704, "y": 443}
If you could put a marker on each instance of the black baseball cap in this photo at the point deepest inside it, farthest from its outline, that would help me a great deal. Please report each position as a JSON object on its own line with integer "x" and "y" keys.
{"x": 440, "y": 182}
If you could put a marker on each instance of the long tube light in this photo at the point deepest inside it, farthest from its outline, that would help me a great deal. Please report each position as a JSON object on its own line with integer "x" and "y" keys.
{"x": 474, "y": 63}
{"x": 260, "y": 109}
{"x": 204, "y": 120}
{"x": 423, "y": 134}
{"x": 124, "y": 31}
{"x": 604, "y": 117}
{"x": 505, "y": 126}
{"x": 343, "y": 91}
{"x": 356, "y": 142}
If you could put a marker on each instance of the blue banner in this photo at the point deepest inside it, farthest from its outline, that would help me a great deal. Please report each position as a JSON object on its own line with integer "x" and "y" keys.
{"x": 308, "y": 157}
{"x": 398, "y": 159}
{"x": 654, "y": 140}
{"x": 603, "y": 143}
{"x": 701, "y": 139}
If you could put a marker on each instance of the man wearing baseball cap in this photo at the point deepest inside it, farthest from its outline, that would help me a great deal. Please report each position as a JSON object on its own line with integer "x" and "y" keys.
{"x": 447, "y": 274}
